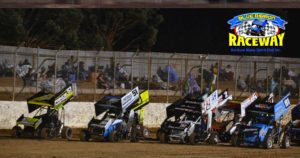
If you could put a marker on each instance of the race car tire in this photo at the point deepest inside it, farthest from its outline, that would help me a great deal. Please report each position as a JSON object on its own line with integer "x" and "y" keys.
{"x": 268, "y": 144}
{"x": 158, "y": 134}
{"x": 84, "y": 136}
{"x": 45, "y": 133}
{"x": 162, "y": 137}
{"x": 285, "y": 143}
{"x": 235, "y": 140}
{"x": 113, "y": 136}
{"x": 16, "y": 132}
{"x": 133, "y": 135}
{"x": 192, "y": 138}
{"x": 66, "y": 133}
{"x": 213, "y": 138}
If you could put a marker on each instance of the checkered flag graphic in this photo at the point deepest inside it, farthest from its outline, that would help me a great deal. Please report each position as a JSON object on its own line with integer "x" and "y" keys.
{"x": 242, "y": 29}
{"x": 269, "y": 29}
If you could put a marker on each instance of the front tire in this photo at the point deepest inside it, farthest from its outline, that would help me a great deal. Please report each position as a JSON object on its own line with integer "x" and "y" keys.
{"x": 162, "y": 137}
{"x": 285, "y": 143}
{"x": 113, "y": 136}
{"x": 235, "y": 140}
{"x": 16, "y": 132}
{"x": 66, "y": 133}
{"x": 213, "y": 139}
{"x": 192, "y": 138}
{"x": 45, "y": 133}
{"x": 268, "y": 144}
{"x": 84, "y": 136}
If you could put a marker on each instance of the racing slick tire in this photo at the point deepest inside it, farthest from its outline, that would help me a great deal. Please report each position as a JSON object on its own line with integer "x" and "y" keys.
{"x": 84, "y": 135}
{"x": 133, "y": 135}
{"x": 268, "y": 144}
{"x": 113, "y": 137}
{"x": 162, "y": 137}
{"x": 16, "y": 132}
{"x": 235, "y": 140}
{"x": 213, "y": 138}
{"x": 45, "y": 133}
{"x": 66, "y": 133}
{"x": 192, "y": 138}
{"x": 285, "y": 143}
{"x": 158, "y": 134}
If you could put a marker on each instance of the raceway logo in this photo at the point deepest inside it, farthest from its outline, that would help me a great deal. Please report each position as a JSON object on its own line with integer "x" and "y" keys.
{"x": 256, "y": 30}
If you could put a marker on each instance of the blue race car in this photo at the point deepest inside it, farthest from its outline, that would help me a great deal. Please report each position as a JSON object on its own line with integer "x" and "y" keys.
{"x": 294, "y": 128}
{"x": 263, "y": 125}
{"x": 118, "y": 118}
{"x": 256, "y": 28}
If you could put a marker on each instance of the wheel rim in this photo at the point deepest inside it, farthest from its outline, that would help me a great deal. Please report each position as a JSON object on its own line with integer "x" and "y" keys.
{"x": 287, "y": 142}
{"x": 270, "y": 143}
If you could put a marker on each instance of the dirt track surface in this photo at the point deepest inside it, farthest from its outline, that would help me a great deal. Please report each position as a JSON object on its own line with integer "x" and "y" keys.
{"x": 26, "y": 148}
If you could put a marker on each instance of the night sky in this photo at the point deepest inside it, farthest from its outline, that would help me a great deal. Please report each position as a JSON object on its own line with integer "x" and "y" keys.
{"x": 206, "y": 31}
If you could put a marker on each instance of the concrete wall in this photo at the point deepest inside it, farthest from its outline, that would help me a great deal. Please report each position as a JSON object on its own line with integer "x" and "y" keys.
{"x": 77, "y": 114}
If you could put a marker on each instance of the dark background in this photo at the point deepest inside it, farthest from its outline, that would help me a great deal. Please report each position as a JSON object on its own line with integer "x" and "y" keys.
{"x": 206, "y": 31}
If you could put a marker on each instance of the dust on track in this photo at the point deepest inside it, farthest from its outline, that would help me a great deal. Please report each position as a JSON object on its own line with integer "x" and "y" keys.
{"x": 35, "y": 148}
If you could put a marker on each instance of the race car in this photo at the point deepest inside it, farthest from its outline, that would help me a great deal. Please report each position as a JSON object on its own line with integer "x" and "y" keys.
{"x": 47, "y": 122}
{"x": 189, "y": 119}
{"x": 294, "y": 126}
{"x": 229, "y": 116}
{"x": 119, "y": 118}
{"x": 263, "y": 125}
{"x": 256, "y": 28}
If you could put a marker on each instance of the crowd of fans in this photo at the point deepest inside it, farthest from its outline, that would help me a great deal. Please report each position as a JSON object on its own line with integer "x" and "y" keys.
{"x": 283, "y": 76}
{"x": 166, "y": 77}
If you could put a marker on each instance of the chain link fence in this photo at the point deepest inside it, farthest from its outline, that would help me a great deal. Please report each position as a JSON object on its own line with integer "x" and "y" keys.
{"x": 168, "y": 76}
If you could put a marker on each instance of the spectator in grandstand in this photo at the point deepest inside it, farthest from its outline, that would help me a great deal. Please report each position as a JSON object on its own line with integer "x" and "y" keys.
{"x": 190, "y": 86}
{"x": 121, "y": 73}
{"x": 274, "y": 86}
{"x": 229, "y": 73}
{"x": 7, "y": 69}
{"x": 83, "y": 74}
{"x": 241, "y": 84}
{"x": 50, "y": 71}
{"x": 170, "y": 72}
{"x": 42, "y": 75}
{"x": 103, "y": 81}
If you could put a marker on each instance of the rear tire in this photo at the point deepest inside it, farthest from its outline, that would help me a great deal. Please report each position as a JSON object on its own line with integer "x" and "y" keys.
{"x": 66, "y": 133}
{"x": 16, "y": 132}
{"x": 268, "y": 144}
{"x": 192, "y": 138}
{"x": 84, "y": 136}
{"x": 162, "y": 137}
{"x": 235, "y": 140}
{"x": 45, "y": 133}
{"x": 113, "y": 136}
{"x": 285, "y": 143}
{"x": 213, "y": 138}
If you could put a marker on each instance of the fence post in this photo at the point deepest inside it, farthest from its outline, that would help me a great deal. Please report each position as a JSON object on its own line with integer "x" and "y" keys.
{"x": 15, "y": 69}
{"x": 55, "y": 67}
{"x": 201, "y": 84}
{"x": 15, "y": 74}
{"x": 114, "y": 80}
{"x": 168, "y": 82}
{"x": 236, "y": 75}
{"x": 95, "y": 83}
{"x": 267, "y": 86}
{"x": 149, "y": 69}
{"x": 37, "y": 65}
{"x": 78, "y": 73}
{"x": 280, "y": 79}
{"x": 218, "y": 75}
